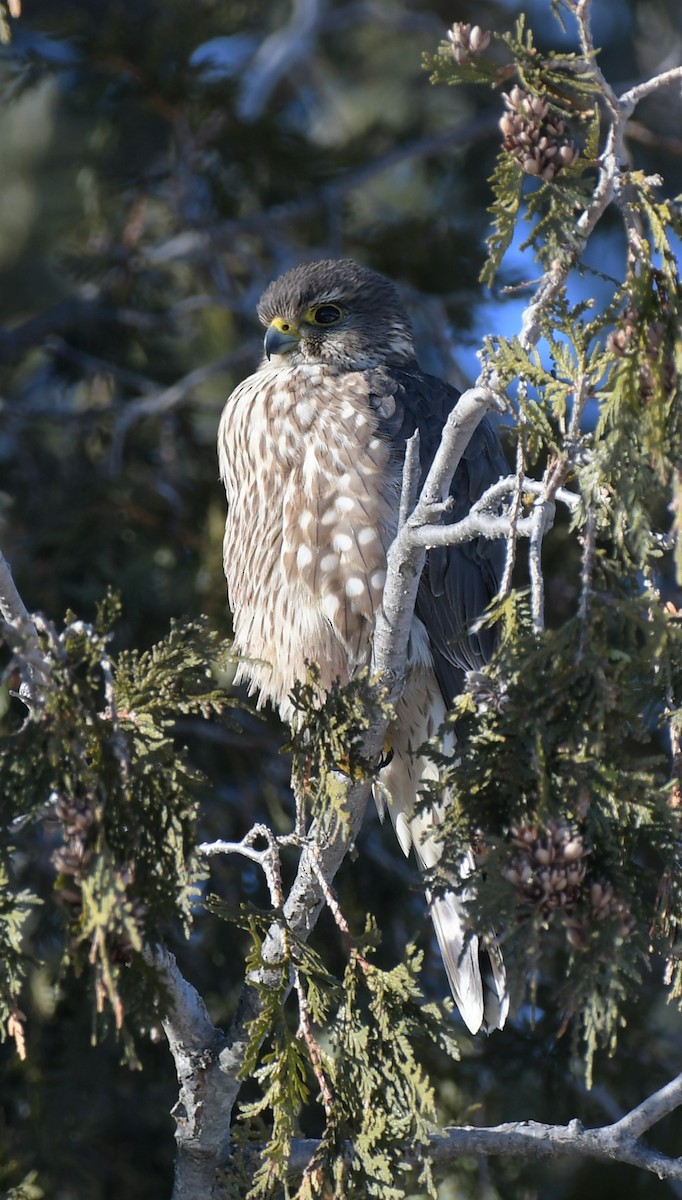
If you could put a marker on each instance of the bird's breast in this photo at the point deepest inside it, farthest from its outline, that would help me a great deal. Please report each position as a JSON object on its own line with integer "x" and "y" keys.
{"x": 312, "y": 501}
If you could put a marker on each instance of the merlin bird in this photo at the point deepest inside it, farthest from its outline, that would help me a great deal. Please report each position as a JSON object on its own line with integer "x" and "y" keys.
{"x": 311, "y": 449}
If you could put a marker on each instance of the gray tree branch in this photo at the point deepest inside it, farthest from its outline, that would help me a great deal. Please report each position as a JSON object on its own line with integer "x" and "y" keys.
{"x": 618, "y": 1142}
{"x": 206, "y": 1095}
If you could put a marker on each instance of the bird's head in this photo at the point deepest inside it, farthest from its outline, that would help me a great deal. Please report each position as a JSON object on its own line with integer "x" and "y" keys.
{"x": 336, "y": 312}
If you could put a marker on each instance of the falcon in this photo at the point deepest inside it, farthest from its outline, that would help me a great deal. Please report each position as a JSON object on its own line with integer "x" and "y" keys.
{"x": 311, "y": 449}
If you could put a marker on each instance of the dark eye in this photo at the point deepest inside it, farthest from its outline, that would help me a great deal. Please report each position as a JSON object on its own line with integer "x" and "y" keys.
{"x": 327, "y": 314}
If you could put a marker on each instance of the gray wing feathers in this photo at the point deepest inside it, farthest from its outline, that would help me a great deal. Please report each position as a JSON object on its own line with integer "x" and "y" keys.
{"x": 457, "y": 585}
{"x": 458, "y": 582}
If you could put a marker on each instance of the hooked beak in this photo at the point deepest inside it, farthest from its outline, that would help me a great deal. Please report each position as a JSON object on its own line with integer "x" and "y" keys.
{"x": 281, "y": 337}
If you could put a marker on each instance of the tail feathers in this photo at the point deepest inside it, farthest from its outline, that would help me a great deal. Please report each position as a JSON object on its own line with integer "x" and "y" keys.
{"x": 473, "y": 962}
{"x": 473, "y": 965}
{"x": 494, "y": 978}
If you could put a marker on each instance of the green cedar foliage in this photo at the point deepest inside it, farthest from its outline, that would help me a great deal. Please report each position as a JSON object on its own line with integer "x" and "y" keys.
{"x": 353, "y": 1041}
{"x": 327, "y": 741}
{"x": 97, "y": 787}
{"x": 564, "y": 781}
{"x": 384, "y": 1102}
{"x": 564, "y": 787}
{"x": 558, "y": 81}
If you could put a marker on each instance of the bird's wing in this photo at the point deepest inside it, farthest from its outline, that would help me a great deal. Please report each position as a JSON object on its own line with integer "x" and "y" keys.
{"x": 458, "y": 582}
{"x": 457, "y": 585}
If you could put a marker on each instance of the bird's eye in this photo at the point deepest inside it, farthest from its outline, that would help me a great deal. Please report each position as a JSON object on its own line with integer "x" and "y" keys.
{"x": 326, "y": 314}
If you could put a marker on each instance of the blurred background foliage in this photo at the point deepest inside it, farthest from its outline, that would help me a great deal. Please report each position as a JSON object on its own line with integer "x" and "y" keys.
{"x": 159, "y": 163}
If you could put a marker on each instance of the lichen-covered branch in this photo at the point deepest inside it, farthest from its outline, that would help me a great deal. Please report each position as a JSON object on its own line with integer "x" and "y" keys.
{"x": 209, "y": 1063}
{"x": 407, "y": 555}
{"x": 206, "y": 1097}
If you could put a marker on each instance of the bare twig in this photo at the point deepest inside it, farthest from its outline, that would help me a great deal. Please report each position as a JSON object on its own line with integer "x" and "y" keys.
{"x": 410, "y": 484}
{"x": 514, "y": 515}
{"x": 538, "y": 523}
{"x": 162, "y": 401}
{"x": 630, "y": 99}
{"x": 583, "y": 13}
{"x": 485, "y": 521}
{"x": 476, "y": 525}
{"x": 305, "y": 1031}
{"x": 651, "y": 1110}
{"x": 268, "y": 858}
{"x": 510, "y": 484}
{"x": 589, "y": 546}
